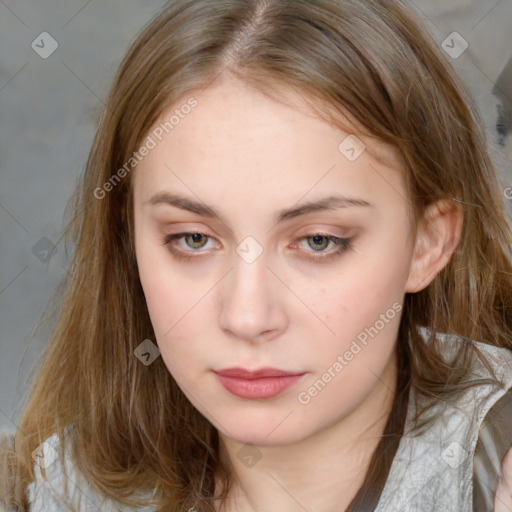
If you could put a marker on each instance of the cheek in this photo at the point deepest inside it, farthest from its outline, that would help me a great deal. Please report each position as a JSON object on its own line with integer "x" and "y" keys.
{"x": 170, "y": 298}
{"x": 378, "y": 275}
{"x": 363, "y": 314}
{"x": 176, "y": 311}
{"x": 171, "y": 306}
{"x": 176, "y": 325}
{"x": 362, "y": 304}
{"x": 358, "y": 296}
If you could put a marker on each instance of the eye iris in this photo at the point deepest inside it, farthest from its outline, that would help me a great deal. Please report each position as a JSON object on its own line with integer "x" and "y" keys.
{"x": 316, "y": 238}
{"x": 196, "y": 238}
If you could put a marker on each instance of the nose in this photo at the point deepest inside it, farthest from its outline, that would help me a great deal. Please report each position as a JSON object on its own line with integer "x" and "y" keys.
{"x": 251, "y": 307}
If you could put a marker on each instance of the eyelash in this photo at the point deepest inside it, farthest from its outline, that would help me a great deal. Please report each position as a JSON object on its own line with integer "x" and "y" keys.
{"x": 343, "y": 245}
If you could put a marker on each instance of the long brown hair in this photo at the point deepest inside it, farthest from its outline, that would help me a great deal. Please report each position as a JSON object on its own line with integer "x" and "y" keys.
{"x": 133, "y": 428}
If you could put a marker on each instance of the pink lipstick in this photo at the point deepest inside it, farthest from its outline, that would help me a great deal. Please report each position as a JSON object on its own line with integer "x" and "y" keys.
{"x": 257, "y": 384}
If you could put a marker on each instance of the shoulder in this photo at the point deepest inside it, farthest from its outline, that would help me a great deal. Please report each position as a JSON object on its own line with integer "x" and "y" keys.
{"x": 498, "y": 358}
{"x": 443, "y": 453}
{"x": 62, "y": 487}
{"x": 494, "y": 443}
{"x": 489, "y": 409}
{"x": 489, "y": 368}
{"x": 56, "y": 485}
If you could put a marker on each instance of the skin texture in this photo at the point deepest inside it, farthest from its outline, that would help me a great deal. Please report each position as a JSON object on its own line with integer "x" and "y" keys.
{"x": 248, "y": 156}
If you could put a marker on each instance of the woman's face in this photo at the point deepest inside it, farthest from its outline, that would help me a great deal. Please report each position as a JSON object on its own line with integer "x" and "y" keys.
{"x": 265, "y": 284}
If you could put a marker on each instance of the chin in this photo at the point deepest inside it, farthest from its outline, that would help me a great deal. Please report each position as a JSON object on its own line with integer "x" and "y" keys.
{"x": 265, "y": 433}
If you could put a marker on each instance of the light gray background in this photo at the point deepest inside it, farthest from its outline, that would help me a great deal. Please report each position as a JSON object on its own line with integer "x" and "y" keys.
{"x": 48, "y": 111}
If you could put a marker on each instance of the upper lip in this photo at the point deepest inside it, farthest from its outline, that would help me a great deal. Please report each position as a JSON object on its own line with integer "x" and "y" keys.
{"x": 255, "y": 374}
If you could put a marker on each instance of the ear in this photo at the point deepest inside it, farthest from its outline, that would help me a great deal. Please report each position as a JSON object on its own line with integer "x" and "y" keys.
{"x": 438, "y": 236}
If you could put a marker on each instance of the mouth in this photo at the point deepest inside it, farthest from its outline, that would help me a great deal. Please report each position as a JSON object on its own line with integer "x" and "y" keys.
{"x": 257, "y": 384}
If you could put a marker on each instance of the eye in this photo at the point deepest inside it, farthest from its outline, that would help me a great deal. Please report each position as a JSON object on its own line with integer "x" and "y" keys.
{"x": 197, "y": 240}
{"x": 322, "y": 240}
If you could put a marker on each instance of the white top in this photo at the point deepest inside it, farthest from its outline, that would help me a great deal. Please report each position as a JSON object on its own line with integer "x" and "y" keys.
{"x": 434, "y": 471}
{"x": 429, "y": 473}
{"x": 46, "y": 496}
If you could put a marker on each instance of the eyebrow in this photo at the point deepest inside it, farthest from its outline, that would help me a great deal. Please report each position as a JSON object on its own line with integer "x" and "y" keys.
{"x": 324, "y": 204}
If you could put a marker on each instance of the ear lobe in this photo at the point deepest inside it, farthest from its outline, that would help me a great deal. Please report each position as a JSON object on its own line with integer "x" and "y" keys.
{"x": 438, "y": 237}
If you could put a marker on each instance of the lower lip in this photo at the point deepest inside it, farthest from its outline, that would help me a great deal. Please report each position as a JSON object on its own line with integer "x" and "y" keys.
{"x": 264, "y": 387}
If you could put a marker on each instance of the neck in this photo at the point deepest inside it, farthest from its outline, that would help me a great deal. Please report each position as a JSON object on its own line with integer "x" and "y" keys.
{"x": 322, "y": 472}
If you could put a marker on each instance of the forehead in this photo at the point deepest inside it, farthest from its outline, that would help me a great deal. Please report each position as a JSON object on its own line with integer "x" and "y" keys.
{"x": 239, "y": 139}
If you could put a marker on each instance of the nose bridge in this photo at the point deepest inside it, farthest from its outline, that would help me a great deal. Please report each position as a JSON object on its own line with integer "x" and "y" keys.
{"x": 250, "y": 274}
{"x": 248, "y": 307}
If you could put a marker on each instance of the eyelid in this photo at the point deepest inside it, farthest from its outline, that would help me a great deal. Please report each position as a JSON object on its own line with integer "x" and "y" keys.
{"x": 167, "y": 239}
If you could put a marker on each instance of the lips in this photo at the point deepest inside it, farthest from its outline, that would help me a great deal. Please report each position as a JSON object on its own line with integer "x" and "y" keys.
{"x": 256, "y": 374}
{"x": 257, "y": 384}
